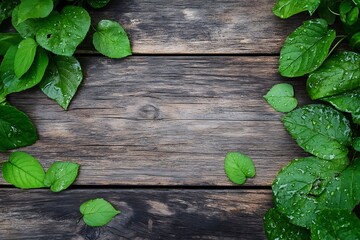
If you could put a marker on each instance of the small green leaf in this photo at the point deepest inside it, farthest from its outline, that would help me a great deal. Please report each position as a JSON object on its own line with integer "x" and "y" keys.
{"x": 281, "y": 97}
{"x": 347, "y": 102}
{"x": 61, "y": 175}
{"x": 320, "y": 130}
{"x": 23, "y": 171}
{"x": 356, "y": 144}
{"x": 288, "y": 8}
{"x": 27, "y": 28}
{"x": 334, "y": 224}
{"x": 98, "y": 3}
{"x": 6, "y": 8}
{"x": 24, "y": 56}
{"x": 238, "y": 167}
{"x": 7, "y": 40}
{"x": 111, "y": 40}
{"x": 62, "y": 33}
{"x": 98, "y": 212}
{"x": 16, "y": 129}
{"x": 62, "y": 79}
{"x": 306, "y": 48}
{"x": 340, "y": 73}
{"x": 34, "y": 9}
{"x": 278, "y": 227}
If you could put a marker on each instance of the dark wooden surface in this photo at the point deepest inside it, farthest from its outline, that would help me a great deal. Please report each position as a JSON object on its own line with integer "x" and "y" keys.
{"x": 164, "y": 117}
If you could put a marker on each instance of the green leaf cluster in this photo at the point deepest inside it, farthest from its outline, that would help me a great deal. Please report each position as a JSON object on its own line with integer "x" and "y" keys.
{"x": 315, "y": 196}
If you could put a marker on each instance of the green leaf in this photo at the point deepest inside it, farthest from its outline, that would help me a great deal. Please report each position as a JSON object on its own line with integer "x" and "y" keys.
{"x": 24, "y": 56}
{"x": 62, "y": 33}
{"x": 98, "y": 3}
{"x": 356, "y": 144}
{"x": 340, "y": 73}
{"x": 355, "y": 41}
{"x": 238, "y": 167}
{"x": 111, "y": 40}
{"x": 16, "y": 129}
{"x": 11, "y": 83}
{"x": 326, "y": 10}
{"x": 6, "y": 8}
{"x": 7, "y": 40}
{"x": 347, "y": 102}
{"x": 288, "y": 8}
{"x": 61, "y": 175}
{"x": 97, "y": 212}
{"x": 334, "y": 224}
{"x": 62, "y": 79}
{"x": 27, "y": 28}
{"x": 281, "y": 97}
{"x": 320, "y": 130}
{"x": 306, "y": 48}
{"x": 300, "y": 188}
{"x": 34, "y": 9}
{"x": 278, "y": 227}
{"x": 23, "y": 171}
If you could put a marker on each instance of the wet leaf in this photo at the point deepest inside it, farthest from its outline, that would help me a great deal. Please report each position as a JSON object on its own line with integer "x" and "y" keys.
{"x": 24, "y": 56}
{"x": 278, "y": 227}
{"x": 62, "y": 33}
{"x": 34, "y": 9}
{"x": 306, "y": 48}
{"x": 320, "y": 130}
{"x": 23, "y": 171}
{"x": 98, "y": 3}
{"x": 98, "y": 212}
{"x": 61, "y": 175}
{"x": 62, "y": 79}
{"x": 238, "y": 167}
{"x": 281, "y": 97}
{"x": 288, "y": 8}
{"x": 16, "y": 129}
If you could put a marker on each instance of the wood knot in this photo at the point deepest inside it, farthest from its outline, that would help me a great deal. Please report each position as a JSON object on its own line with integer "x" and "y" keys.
{"x": 149, "y": 112}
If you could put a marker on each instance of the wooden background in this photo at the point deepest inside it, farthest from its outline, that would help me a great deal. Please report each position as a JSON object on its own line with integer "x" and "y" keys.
{"x": 151, "y": 131}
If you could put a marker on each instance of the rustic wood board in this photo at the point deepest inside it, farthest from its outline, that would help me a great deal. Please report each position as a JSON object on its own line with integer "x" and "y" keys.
{"x": 146, "y": 214}
{"x": 165, "y": 121}
{"x": 198, "y": 27}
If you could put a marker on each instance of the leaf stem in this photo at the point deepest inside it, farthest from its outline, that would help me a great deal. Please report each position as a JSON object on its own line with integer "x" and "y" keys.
{"x": 337, "y": 44}
{"x": 337, "y": 14}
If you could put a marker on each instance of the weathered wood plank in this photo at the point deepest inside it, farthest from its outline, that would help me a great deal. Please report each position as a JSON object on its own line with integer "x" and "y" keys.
{"x": 195, "y": 26}
{"x": 167, "y": 121}
{"x": 146, "y": 214}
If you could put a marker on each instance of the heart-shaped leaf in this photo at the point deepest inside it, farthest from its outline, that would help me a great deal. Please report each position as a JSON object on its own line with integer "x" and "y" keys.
{"x": 24, "y": 56}
{"x": 16, "y": 129}
{"x": 320, "y": 130}
{"x": 98, "y": 212}
{"x": 61, "y": 175}
{"x": 98, "y": 3}
{"x": 238, "y": 167}
{"x": 23, "y": 171}
{"x": 34, "y": 9}
{"x": 7, "y": 40}
{"x": 306, "y": 48}
{"x": 62, "y": 79}
{"x": 62, "y": 33}
{"x": 288, "y": 8}
{"x": 281, "y": 97}
{"x": 340, "y": 73}
{"x": 111, "y": 40}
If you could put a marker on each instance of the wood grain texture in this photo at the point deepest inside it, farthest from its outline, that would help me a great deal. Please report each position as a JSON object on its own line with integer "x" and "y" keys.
{"x": 198, "y": 27}
{"x": 165, "y": 121}
{"x": 146, "y": 214}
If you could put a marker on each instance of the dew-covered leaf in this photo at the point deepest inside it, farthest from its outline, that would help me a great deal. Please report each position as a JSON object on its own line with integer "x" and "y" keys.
{"x": 320, "y": 130}
{"x": 281, "y": 97}
{"x": 340, "y": 73}
{"x": 34, "y": 9}
{"x": 347, "y": 102}
{"x": 16, "y": 129}
{"x": 238, "y": 167}
{"x": 98, "y": 3}
{"x": 300, "y": 188}
{"x": 8, "y": 80}
{"x": 24, "y": 56}
{"x": 111, "y": 40}
{"x": 288, "y": 8}
{"x": 27, "y": 28}
{"x": 62, "y": 33}
{"x": 62, "y": 79}
{"x": 278, "y": 227}
{"x": 98, "y": 212}
{"x": 7, "y": 40}
{"x": 61, "y": 175}
{"x": 306, "y": 48}
{"x": 6, "y": 8}
{"x": 23, "y": 171}
{"x": 334, "y": 225}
